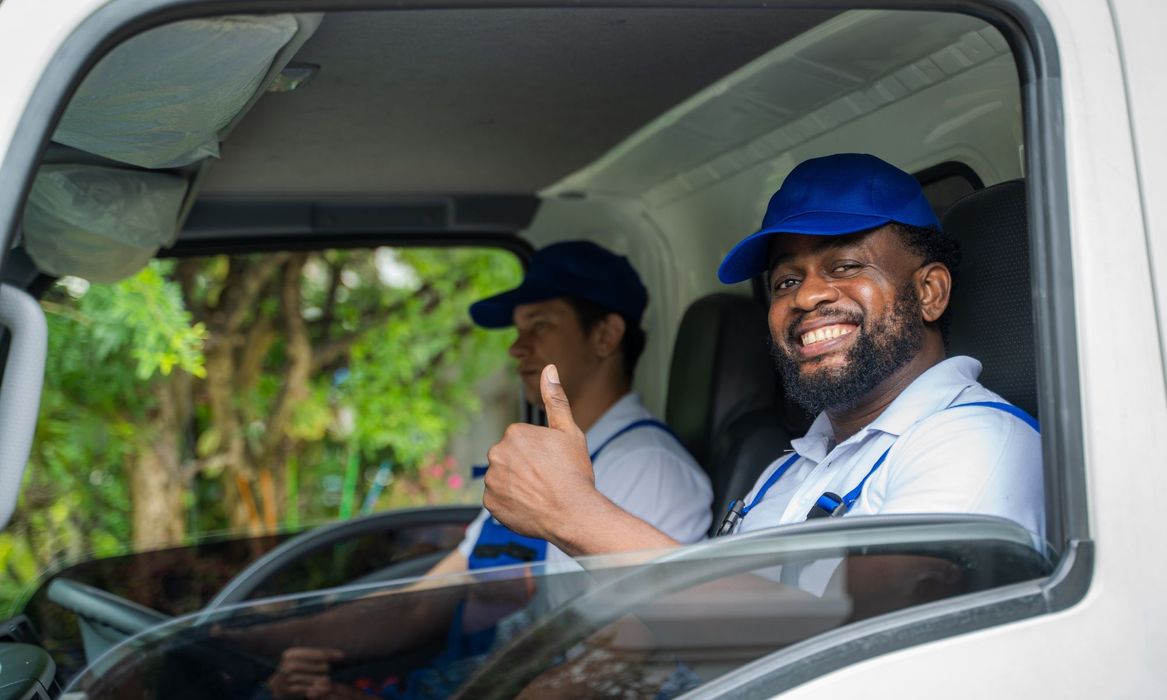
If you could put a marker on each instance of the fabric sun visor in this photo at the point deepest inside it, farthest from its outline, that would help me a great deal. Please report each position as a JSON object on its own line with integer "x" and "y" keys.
{"x": 102, "y": 224}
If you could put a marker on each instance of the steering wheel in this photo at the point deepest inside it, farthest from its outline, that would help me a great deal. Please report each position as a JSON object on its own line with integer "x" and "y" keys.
{"x": 105, "y": 618}
{"x": 248, "y": 581}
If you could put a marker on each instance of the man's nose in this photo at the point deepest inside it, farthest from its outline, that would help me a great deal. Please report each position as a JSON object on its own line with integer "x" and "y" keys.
{"x": 519, "y": 349}
{"x": 813, "y": 291}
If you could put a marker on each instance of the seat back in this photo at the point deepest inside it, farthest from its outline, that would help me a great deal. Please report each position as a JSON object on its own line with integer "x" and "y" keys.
{"x": 723, "y": 400}
{"x": 991, "y": 307}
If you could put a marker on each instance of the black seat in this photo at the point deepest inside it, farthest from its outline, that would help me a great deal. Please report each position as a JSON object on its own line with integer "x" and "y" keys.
{"x": 992, "y": 311}
{"x": 724, "y": 394}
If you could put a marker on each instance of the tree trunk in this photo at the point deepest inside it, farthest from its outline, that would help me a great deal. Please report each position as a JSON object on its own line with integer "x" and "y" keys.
{"x": 158, "y": 482}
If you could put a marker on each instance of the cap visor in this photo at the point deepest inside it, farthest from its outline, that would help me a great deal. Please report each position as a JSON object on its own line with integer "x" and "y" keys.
{"x": 498, "y": 311}
{"x": 750, "y": 257}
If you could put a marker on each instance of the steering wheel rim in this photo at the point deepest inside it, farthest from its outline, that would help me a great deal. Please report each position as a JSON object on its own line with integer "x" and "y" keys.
{"x": 240, "y": 588}
{"x": 104, "y": 608}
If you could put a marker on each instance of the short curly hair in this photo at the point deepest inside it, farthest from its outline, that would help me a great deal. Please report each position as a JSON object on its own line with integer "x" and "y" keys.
{"x": 933, "y": 245}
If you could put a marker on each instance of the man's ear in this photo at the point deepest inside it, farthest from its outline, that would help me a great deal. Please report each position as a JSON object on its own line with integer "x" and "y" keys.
{"x": 934, "y": 288}
{"x": 607, "y": 334}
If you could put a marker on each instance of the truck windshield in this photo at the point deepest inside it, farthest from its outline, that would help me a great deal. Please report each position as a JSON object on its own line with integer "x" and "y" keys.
{"x": 651, "y": 625}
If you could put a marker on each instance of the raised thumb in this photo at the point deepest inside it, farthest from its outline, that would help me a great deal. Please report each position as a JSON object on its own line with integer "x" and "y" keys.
{"x": 555, "y": 401}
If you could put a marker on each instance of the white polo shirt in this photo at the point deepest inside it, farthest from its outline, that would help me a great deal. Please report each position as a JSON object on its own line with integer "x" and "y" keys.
{"x": 963, "y": 460}
{"x": 644, "y": 471}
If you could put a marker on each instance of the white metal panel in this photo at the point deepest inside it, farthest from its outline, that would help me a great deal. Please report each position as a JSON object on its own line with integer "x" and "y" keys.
{"x": 1140, "y": 30}
{"x": 27, "y": 43}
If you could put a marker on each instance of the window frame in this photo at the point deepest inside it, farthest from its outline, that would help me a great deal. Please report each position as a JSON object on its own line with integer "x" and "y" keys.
{"x": 1035, "y": 51}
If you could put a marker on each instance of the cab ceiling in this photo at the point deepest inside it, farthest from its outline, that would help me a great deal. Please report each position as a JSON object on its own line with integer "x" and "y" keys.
{"x": 481, "y": 101}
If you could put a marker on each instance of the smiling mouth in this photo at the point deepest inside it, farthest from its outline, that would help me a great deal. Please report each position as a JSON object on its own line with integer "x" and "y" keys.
{"x": 820, "y": 335}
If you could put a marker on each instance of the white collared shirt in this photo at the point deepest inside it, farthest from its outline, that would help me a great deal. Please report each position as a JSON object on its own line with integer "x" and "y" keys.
{"x": 968, "y": 460}
{"x": 644, "y": 471}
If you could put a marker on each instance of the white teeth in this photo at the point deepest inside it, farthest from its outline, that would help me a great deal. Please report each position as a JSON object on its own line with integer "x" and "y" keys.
{"x": 826, "y": 333}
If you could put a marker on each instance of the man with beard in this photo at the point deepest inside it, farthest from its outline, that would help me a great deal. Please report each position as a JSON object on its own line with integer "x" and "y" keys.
{"x": 859, "y": 275}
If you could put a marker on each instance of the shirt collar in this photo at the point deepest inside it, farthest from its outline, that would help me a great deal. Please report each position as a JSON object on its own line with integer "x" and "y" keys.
{"x": 625, "y": 411}
{"x": 932, "y": 391}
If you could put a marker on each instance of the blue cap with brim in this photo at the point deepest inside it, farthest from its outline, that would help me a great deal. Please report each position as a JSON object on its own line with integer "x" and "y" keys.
{"x": 578, "y": 269}
{"x": 831, "y": 196}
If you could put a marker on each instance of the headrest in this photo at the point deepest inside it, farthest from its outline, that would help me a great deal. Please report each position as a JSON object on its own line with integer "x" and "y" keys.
{"x": 992, "y": 308}
{"x": 721, "y": 369}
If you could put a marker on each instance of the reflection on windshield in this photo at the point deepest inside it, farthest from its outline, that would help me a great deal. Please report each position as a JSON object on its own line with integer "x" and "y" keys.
{"x": 644, "y": 626}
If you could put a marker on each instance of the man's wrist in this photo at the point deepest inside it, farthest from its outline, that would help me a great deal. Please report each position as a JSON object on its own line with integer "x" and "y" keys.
{"x": 580, "y": 513}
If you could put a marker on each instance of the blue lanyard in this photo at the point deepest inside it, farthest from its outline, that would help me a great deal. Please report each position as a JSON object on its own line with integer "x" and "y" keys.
{"x": 782, "y": 469}
{"x": 830, "y": 505}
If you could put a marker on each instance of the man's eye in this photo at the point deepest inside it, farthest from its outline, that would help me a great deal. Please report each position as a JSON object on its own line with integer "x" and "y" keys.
{"x": 845, "y": 268}
{"x": 784, "y": 284}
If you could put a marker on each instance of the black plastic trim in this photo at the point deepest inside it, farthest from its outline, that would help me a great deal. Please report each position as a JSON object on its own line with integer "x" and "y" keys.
{"x": 947, "y": 169}
{"x": 230, "y": 245}
{"x": 212, "y": 217}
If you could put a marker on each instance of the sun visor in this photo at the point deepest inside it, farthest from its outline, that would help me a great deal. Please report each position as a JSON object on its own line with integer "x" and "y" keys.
{"x": 161, "y": 99}
{"x": 102, "y": 224}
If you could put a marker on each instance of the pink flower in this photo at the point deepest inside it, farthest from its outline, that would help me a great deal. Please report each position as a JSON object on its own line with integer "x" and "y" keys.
{"x": 454, "y": 481}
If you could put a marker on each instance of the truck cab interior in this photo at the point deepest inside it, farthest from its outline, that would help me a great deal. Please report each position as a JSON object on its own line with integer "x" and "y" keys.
{"x": 658, "y": 132}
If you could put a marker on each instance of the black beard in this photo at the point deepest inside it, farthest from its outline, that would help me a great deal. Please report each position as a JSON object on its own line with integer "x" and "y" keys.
{"x": 878, "y": 352}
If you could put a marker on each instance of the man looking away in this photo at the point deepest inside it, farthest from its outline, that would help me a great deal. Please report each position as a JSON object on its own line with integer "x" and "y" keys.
{"x": 578, "y": 310}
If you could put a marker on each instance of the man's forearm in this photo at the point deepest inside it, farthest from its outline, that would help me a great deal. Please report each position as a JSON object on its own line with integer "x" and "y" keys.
{"x": 598, "y": 526}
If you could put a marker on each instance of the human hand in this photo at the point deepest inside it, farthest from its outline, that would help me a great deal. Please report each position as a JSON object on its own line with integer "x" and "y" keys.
{"x": 304, "y": 672}
{"x": 537, "y": 475}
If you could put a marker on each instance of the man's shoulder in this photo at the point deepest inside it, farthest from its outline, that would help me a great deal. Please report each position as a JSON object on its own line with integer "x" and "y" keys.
{"x": 648, "y": 439}
{"x": 977, "y": 422}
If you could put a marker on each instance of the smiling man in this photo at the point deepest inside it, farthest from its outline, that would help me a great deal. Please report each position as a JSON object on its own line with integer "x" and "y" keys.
{"x": 860, "y": 277}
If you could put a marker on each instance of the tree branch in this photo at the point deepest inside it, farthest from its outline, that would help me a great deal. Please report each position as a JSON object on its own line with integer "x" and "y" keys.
{"x": 329, "y": 350}
{"x": 242, "y": 289}
{"x": 260, "y": 337}
{"x": 298, "y": 349}
{"x": 187, "y": 271}
{"x": 328, "y": 309}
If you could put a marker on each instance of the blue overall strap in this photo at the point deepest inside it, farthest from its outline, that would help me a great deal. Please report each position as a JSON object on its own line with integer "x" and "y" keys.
{"x": 830, "y": 503}
{"x": 1007, "y": 408}
{"x": 498, "y": 545}
{"x": 642, "y": 423}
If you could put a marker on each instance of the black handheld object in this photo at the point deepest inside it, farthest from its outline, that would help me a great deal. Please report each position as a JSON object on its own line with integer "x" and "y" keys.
{"x": 732, "y": 518}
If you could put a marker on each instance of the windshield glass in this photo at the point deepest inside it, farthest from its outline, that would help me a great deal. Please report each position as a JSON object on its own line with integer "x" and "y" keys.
{"x": 648, "y": 625}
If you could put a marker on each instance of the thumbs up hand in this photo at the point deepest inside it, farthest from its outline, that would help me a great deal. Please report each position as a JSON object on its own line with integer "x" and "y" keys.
{"x": 539, "y": 476}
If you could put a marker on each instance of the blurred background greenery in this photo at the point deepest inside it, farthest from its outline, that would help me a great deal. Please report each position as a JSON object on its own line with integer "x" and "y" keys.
{"x": 253, "y": 394}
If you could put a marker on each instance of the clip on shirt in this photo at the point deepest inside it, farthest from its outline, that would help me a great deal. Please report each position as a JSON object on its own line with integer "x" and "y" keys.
{"x": 828, "y": 505}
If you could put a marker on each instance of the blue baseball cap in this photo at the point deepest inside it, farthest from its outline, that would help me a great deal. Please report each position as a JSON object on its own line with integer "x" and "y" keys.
{"x": 570, "y": 269}
{"x": 831, "y": 196}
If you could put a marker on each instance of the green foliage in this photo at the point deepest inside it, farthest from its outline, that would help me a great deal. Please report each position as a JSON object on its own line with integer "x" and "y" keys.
{"x": 144, "y": 317}
{"x": 403, "y": 385}
{"x": 106, "y": 345}
{"x": 412, "y": 382}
